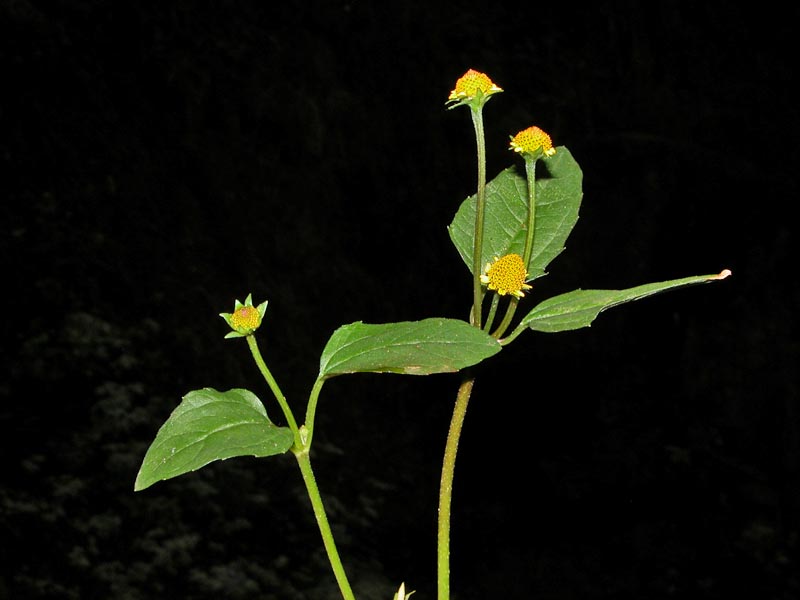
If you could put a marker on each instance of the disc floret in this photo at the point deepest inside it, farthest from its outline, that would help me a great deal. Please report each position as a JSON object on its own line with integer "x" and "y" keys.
{"x": 506, "y": 275}
{"x": 532, "y": 142}
{"x": 474, "y": 89}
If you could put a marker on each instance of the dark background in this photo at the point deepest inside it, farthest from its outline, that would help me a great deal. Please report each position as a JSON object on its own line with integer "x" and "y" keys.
{"x": 161, "y": 159}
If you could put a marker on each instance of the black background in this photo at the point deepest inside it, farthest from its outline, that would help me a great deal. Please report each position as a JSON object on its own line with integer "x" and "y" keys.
{"x": 161, "y": 159}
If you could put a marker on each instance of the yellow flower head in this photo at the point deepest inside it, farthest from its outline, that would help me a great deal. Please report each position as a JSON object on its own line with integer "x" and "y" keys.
{"x": 473, "y": 88}
{"x": 506, "y": 275}
{"x": 532, "y": 141}
{"x": 245, "y": 318}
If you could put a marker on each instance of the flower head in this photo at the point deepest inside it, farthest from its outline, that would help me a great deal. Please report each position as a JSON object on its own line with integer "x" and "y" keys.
{"x": 506, "y": 275}
{"x": 245, "y": 318}
{"x": 473, "y": 88}
{"x": 533, "y": 141}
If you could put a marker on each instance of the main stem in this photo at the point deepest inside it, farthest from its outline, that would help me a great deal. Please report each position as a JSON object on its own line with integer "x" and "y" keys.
{"x": 446, "y": 486}
{"x": 322, "y": 522}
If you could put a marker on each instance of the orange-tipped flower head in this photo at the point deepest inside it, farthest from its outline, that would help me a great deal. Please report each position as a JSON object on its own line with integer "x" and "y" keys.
{"x": 532, "y": 141}
{"x": 473, "y": 88}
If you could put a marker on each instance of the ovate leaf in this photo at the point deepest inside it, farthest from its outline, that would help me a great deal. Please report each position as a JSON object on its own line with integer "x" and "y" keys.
{"x": 559, "y": 183}
{"x": 410, "y": 347}
{"x": 579, "y": 308}
{"x": 209, "y": 425}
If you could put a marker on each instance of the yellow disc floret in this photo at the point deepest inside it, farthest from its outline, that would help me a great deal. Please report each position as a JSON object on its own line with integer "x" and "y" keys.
{"x": 469, "y": 84}
{"x": 506, "y": 275}
{"x": 532, "y": 140}
{"x": 245, "y": 318}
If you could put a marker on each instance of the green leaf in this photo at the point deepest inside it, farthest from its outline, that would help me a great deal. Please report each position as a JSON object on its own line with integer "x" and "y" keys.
{"x": 579, "y": 308}
{"x": 209, "y": 425}
{"x": 558, "y": 198}
{"x": 410, "y": 347}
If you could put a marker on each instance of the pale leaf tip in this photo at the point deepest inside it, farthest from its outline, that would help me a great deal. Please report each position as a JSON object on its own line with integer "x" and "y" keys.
{"x": 723, "y": 274}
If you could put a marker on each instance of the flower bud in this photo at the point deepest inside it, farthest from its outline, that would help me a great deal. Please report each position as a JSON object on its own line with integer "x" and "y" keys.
{"x": 245, "y": 318}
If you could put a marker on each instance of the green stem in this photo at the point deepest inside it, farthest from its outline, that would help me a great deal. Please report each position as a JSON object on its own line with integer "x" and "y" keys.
{"x": 276, "y": 390}
{"x": 513, "y": 335}
{"x": 446, "y": 487}
{"x": 510, "y": 309}
{"x": 311, "y": 410}
{"x": 530, "y": 172}
{"x": 322, "y": 521}
{"x": 464, "y": 391}
{"x": 477, "y": 289}
{"x": 302, "y": 444}
{"x": 492, "y": 312}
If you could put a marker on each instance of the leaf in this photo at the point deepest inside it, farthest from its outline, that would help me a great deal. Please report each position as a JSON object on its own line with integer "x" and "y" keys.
{"x": 410, "y": 347}
{"x": 558, "y": 198}
{"x": 579, "y": 308}
{"x": 209, "y": 425}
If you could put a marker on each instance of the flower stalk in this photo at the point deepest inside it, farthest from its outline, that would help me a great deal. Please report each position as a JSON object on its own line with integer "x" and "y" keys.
{"x": 276, "y": 390}
{"x": 530, "y": 174}
{"x": 477, "y": 288}
{"x": 532, "y": 143}
{"x": 473, "y": 89}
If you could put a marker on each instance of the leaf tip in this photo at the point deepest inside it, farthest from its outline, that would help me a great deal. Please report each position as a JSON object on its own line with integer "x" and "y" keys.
{"x": 723, "y": 274}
